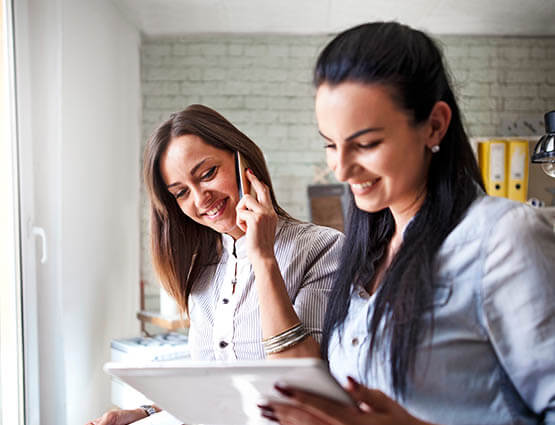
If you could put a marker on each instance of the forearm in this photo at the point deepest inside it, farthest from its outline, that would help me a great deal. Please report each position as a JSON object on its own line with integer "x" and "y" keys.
{"x": 276, "y": 310}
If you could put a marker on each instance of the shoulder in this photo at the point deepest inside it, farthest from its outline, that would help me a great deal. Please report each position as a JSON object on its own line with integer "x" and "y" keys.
{"x": 495, "y": 232}
{"x": 517, "y": 246}
{"x": 307, "y": 234}
{"x": 489, "y": 215}
{"x": 485, "y": 210}
{"x": 521, "y": 231}
{"x": 503, "y": 219}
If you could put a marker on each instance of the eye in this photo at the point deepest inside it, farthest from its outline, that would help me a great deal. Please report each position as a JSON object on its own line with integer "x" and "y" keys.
{"x": 369, "y": 145}
{"x": 329, "y": 146}
{"x": 209, "y": 173}
{"x": 181, "y": 193}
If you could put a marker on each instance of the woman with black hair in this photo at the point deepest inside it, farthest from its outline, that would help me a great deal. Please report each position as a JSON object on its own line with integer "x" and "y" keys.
{"x": 443, "y": 310}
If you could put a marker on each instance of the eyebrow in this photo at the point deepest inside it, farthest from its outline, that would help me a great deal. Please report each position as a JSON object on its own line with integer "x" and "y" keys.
{"x": 193, "y": 171}
{"x": 355, "y": 134}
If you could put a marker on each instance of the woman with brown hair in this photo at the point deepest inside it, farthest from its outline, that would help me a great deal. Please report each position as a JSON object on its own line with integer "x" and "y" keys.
{"x": 253, "y": 280}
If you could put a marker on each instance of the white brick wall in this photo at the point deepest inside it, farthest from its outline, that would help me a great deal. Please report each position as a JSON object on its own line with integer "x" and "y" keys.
{"x": 262, "y": 83}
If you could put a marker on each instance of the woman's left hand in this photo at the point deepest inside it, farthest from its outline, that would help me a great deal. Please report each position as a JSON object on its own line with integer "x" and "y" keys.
{"x": 373, "y": 408}
{"x": 258, "y": 219}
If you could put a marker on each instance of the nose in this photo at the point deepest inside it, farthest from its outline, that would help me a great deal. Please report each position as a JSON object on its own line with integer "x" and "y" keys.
{"x": 343, "y": 165}
{"x": 201, "y": 197}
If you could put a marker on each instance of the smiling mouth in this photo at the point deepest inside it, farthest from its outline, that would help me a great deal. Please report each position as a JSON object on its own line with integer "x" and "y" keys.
{"x": 360, "y": 187}
{"x": 217, "y": 209}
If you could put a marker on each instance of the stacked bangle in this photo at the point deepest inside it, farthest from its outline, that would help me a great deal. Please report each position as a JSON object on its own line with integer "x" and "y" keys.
{"x": 284, "y": 340}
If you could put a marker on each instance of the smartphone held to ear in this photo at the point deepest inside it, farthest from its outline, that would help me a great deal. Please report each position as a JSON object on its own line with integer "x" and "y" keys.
{"x": 243, "y": 183}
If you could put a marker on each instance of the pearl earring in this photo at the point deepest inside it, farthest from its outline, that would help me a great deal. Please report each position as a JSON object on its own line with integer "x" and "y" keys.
{"x": 435, "y": 148}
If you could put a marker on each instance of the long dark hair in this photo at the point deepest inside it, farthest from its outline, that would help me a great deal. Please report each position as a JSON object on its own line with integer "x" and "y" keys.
{"x": 409, "y": 63}
{"x": 182, "y": 248}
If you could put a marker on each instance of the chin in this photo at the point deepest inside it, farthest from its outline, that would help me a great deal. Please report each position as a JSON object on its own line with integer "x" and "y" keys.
{"x": 368, "y": 206}
{"x": 225, "y": 227}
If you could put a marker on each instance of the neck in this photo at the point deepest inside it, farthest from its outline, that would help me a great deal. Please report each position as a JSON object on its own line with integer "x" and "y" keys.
{"x": 236, "y": 233}
{"x": 404, "y": 212}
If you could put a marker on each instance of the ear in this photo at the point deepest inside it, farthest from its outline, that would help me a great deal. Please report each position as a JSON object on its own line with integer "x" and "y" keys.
{"x": 438, "y": 123}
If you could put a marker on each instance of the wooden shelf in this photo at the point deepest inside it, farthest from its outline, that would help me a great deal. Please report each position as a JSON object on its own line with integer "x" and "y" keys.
{"x": 169, "y": 323}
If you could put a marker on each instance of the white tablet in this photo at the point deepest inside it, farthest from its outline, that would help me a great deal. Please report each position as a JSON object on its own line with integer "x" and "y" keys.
{"x": 224, "y": 393}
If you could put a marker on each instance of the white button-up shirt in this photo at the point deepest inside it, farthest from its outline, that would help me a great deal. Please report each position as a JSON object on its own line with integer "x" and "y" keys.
{"x": 225, "y": 322}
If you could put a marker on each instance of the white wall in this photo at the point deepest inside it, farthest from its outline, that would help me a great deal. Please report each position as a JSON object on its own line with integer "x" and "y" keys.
{"x": 80, "y": 117}
{"x": 262, "y": 83}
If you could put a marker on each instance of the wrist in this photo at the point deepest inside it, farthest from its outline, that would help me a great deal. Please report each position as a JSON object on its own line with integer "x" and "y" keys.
{"x": 264, "y": 263}
{"x": 148, "y": 410}
{"x": 138, "y": 414}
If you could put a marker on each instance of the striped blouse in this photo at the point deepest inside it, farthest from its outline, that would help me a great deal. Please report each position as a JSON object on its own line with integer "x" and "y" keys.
{"x": 225, "y": 324}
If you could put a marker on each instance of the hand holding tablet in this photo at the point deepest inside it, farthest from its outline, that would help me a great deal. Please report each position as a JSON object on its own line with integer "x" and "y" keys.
{"x": 224, "y": 392}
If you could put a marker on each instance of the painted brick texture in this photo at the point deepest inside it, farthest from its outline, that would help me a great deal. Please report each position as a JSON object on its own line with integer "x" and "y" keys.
{"x": 262, "y": 83}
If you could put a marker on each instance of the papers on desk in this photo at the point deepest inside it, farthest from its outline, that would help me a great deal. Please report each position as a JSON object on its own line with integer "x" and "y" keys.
{"x": 166, "y": 346}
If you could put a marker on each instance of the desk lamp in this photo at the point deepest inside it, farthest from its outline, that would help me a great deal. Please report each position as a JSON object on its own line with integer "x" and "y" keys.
{"x": 544, "y": 152}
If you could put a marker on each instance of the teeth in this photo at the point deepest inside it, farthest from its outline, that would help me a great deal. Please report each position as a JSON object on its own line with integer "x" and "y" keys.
{"x": 215, "y": 210}
{"x": 363, "y": 185}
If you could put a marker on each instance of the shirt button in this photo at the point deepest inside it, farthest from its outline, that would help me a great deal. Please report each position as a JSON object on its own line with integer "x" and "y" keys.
{"x": 225, "y": 300}
{"x": 354, "y": 341}
{"x": 223, "y": 344}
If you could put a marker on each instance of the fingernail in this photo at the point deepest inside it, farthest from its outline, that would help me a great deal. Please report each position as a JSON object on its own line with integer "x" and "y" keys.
{"x": 354, "y": 384}
{"x": 270, "y": 416}
{"x": 285, "y": 391}
{"x": 266, "y": 408}
{"x": 250, "y": 171}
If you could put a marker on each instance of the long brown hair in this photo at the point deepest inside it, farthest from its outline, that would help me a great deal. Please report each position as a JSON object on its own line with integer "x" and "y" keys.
{"x": 182, "y": 248}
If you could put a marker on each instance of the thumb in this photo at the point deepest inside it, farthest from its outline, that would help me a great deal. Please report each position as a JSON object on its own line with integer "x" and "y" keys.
{"x": 374, "y": 399}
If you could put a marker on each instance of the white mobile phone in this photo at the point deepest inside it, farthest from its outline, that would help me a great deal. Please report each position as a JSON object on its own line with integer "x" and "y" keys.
{"x": 243, "y": 183}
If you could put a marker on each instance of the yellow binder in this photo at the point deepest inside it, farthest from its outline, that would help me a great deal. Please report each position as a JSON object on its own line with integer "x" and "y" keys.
{"x": 492, "y": 161}
{"x": 517, "y": 170}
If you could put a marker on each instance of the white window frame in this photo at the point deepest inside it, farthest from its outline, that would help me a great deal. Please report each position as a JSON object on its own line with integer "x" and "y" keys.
{"x": 12, "y": 394}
